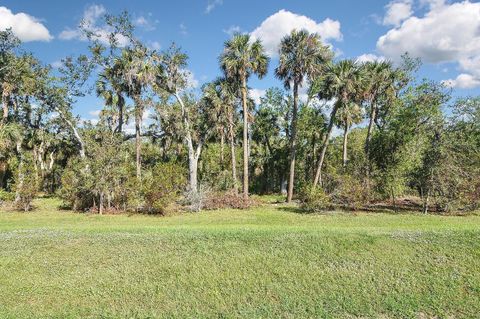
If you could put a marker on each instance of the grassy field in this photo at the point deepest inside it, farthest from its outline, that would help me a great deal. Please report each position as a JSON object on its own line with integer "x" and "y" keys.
{"x": 268, "y": 262}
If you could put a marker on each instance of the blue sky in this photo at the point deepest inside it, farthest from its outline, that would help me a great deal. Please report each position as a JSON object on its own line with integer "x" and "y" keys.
{"x": 443, "y": 33}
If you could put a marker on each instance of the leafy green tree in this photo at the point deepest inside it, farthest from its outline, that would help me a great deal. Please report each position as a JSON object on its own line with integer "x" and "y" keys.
{"x": 241, "y": 58}
{"x": 302, "y": 55}
{"x": 342, "y": 82}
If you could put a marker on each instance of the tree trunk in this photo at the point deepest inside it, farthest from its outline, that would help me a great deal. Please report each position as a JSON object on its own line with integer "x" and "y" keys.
{"x": 101, "y": 203}
{"x": 75, "y": 133}
{"x": 245, "y": 138}
{"x": 326, "y": 140}
{"x": 193, "y": 154}
{"x": 4, "y": 107}
{"x": 425, "y": 202}
{"x": 21, "y": 177}
{"x": 293, "y": 144}
{"x": 138, "y": 125}
{"x": 345, "y": 139}
{"x": 232, "y": 153}
{"x": 121, "y": 105}
{"x": 222, "y": 147}
{"x": 192, "y": 171}
{"x": 373, "y": 115}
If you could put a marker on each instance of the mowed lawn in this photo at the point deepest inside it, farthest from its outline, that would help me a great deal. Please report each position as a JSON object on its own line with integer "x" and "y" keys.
{"x": 267, "y": 262}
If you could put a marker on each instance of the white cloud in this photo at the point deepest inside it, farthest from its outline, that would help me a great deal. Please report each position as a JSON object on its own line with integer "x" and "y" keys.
{"x": 183, "y": 29}
{"x": 256, "y": 94}
{"x": 145, "y": 22}
{"x": 369, "y": 58}
{"x": 90, "y": 19}
{"x": 446, "y": 33}
{"x": 397, "y": 12}
{"x": 275, "y": 27}
{"x": 212, "y": 4}
{"x": 24, "y": 26}
{"x": 463, "y": 81}
{"x": 95, "y": 113}
{"x": 155, "y": 45}
{"x": 232, "y": 30}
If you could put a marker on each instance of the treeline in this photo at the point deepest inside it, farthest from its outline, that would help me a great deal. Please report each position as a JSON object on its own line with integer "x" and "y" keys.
{"x": 339, "y": 133}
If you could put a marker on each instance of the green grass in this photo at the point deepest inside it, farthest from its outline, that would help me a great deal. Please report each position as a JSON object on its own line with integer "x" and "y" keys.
{"x": 267, "y": 262}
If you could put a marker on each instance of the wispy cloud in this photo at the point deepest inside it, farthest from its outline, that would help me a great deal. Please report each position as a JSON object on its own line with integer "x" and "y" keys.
{"x": 212, "y": 4}
{"x": 232, "y": 30}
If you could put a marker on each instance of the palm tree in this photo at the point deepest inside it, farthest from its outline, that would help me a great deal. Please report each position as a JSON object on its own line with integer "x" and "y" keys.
{"x": 240, "y": 58}
{"x": 110, "y": 87}
{"x": 222, "y": 95}
{"x": 301, "y": 55}
{"x": 381, "y": 82}
{"x": 347, "y": 116}
{"x": 137, "y": 75}
{"x": 342, "y": 82}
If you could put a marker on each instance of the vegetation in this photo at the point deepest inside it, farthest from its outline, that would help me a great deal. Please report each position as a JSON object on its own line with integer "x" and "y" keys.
{"x": 400, "y": 137}
{"x": 266, "y": 262}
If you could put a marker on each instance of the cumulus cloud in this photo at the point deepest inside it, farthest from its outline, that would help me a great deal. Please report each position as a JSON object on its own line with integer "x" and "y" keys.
{"x": 275, "y": 27}
{"x": 256, "y": 94}
{"x": 397, "y": 12}
{"x": 91, "y": 17}
{"x": 446, "y": 33}
{"x": 212, "y": 4}
{"x": 463, "y": 81}
{"x": 369, "y": 58}
{"x": 24, "y": 26}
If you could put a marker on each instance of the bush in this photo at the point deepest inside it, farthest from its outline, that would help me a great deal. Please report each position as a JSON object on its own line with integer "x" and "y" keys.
{"x": 26, "y": 183}
{"x": 314, "y": 199}
{"x": 222, "y": 200}
{"x": 162, "y": 186}
{"x": 351, "y": 192}
{"x": 75, "y": 190}
{"x": 196, "y": 200}
{"x": 6, "y": 196}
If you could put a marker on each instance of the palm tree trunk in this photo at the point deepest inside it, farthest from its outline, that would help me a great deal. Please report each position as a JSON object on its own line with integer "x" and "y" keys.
{"x": 232, "y": 152}
{"x": 222, "y": 148}
{"x": 293, "y": 143}
{"x": 138, "y": 124}
{"x": 326, "y": 140}
{"x": 245, "y": 138}
{"x": 373, "y": 115}
{"x": 121, "y": 105}
{"x": 345, "y": 139}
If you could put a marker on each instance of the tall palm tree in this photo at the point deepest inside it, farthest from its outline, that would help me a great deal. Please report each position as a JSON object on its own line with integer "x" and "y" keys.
{"x": 381, "y": 83}
{"x": 137, "y": 75}
{"x": 301, "y": 55}
{"x": 342, "y": 82}
{"x": 110, "y": 87}
{"x": 347, "y": 116}
{"x": 222, "y": 95}
{"x": 240, "y": 58}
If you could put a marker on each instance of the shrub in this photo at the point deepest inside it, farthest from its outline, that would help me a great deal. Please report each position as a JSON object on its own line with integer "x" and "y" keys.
{"x": 75, "y": 190}
{"x": 6, "y": 196}
{"x": 222, "y": 200}
{"x": 196, "y": 200}
{"x": 351, "y": 192}
{"x": 314, "y": 199}
{"x": 26, "y": 183}
{"x": 163, "y": 186}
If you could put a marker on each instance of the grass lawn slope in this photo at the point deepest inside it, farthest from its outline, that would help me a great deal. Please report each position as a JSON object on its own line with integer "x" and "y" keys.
{"x": 267, "y": 262}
